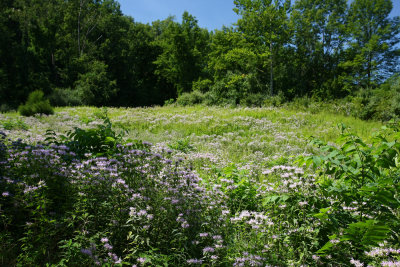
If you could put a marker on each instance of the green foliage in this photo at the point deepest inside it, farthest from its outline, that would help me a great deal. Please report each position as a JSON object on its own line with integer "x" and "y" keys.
{"x": 88, "y": 52}
{"x": 378, "y": 104}
{"x": 253, "y": 100}
{"x": 239, "y": 187}
{"x": 5, "y": 108}
{"x": 232, "y": 88}
{"x": 182, "y": 145}
{"x": 189, "y": 99}
{"x": 36, "y": 104}
{"x": 11, "y": 124}
{"x": 371, "y": 52}
{"x": 202, "y": 85}
{"x": 183, "y": 48}
{"x": 94, "y": 86}
{"x": 100, "y": 141}
{"x": 65, "y": 97}
{"x": 274, "y": 101}
{"x": 169, "y": 102}
{"x": 362, "y": 181}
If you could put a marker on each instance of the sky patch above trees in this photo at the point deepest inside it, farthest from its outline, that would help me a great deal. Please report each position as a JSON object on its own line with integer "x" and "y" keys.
{"x": 211, "y": 14}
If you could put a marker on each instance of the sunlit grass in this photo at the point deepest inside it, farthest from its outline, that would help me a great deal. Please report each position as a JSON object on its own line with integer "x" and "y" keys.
{"x": 260, "y": 136}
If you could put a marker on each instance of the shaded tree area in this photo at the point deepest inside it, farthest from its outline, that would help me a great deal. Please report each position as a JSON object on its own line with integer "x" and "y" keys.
{"x": 86, "y": 52}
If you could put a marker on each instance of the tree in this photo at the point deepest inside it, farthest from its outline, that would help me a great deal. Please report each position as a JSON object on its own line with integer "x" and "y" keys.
{"x": 318, "y": 38}
{"x": 184, "y": 47}
{"x": 372, "y": 52}
{"x": 265, "y": 23}
{"x": 94, "y": 87}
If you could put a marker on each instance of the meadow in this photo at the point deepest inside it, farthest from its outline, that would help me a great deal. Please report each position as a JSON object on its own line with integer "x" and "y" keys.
{"x": 206, "y": 186}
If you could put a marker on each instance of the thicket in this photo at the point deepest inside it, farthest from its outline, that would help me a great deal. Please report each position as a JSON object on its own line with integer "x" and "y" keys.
{"x": 380, "y": 104}
{"x": 89, "y": 53}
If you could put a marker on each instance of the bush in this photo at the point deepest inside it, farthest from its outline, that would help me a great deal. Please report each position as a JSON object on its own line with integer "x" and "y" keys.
{"x": 252, "y": 100}
{"x": 192, "y": 98}
{"x": 362, "y": 182}
{"x": 202, "y": 85}
{"x": 5, "y": 108}
{"x": 233, "y": 88}
{"x": 274, "y": 101}
{"x": 379, "y": 104}
{"x": 36, "y": 104}
{"x": 65, "y": 97}
{"x": 100, "y": 141}
{"x": 169, "y": 102}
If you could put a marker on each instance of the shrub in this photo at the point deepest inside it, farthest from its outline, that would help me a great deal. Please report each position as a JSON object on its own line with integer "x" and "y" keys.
{"x": 362, "y": 183}
{"x": 378, "y": 104}
{"x": 100, "y": 141}
{"x": 192, "y": 98}
{"x": 274, "y": 101}
{"x": 6, "y": 108}
{"x": 202, "y": 85}
{"x": 252, "y": 100}
{"x": 65, "y": 97}
{"x": 169, "y": 102}
{"x": 36, "y": 104}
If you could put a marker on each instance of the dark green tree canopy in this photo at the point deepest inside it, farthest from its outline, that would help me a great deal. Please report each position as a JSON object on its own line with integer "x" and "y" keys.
{"x": 88, "y": 52}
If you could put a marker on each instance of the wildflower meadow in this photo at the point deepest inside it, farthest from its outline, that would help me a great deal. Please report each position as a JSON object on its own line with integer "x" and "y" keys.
{"x": 198, "y": 186}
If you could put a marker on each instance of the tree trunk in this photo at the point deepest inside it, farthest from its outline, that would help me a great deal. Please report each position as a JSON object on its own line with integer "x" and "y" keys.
{"x": 271, "y": 72}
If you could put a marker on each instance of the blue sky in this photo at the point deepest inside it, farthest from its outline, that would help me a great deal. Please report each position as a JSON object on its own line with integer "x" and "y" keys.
{"x": 211, "y": 14}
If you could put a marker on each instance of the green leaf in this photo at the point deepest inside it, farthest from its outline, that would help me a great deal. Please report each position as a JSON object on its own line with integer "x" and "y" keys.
{"x": 325, "y": 250}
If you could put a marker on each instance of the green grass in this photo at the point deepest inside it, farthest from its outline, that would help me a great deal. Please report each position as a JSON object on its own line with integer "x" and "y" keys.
{"x": 259, "y": 137}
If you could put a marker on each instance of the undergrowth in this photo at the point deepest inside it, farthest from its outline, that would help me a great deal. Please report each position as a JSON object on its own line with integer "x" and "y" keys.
{"x": 88, "y": 198}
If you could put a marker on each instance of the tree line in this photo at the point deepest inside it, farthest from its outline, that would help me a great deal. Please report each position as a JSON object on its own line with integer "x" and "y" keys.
{"x": 87, "y": 52}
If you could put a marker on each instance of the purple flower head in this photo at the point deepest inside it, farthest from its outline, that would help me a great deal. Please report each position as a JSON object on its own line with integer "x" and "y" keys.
{"x": 194, "y": 261}
{"x": 141, "y": 260}
{"x": 86, "y": 251}
{"x": 208, "y": 250}
{"x": 217, "y": 237}
{"x": 108, "y": 246}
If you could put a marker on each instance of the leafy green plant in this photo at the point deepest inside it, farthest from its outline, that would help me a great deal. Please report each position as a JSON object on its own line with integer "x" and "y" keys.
{"x": 17, "y": 124}
{"x": 36, "y": 104}
{"x": 192, "y": 98}
{"x": 65, "y": 97}
{"x": 363, "y": 184}
{"x": 252, "y": 100}
{"x": 99, "y": 141}
{"x": 239, "y": 187}
{"x": 182, "y": 145}
{"x": 274, "y": 101}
